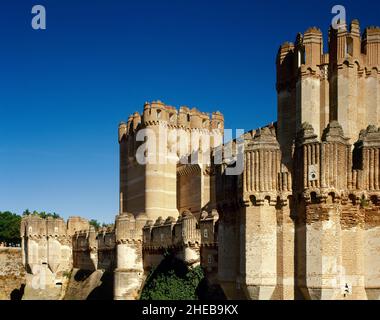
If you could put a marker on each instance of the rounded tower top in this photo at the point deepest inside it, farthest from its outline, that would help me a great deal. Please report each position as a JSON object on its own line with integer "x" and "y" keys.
{"x": 123, "y": 130}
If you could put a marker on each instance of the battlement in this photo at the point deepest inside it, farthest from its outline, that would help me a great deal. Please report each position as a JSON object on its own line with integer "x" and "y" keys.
{"x": 157, "y": 112}
{"x": 317, "y": 88}
{"x": 371, "y": 31}
{"x": 90, "y": 239}
{"x": 184, "y": 231}
{"x": 128, "y": 228}
{"x": 344, "y": 43}
{"x": 35, "y": 226}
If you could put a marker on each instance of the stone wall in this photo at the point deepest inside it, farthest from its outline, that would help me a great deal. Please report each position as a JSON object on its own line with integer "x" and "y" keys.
{"x": 12, "y": 273}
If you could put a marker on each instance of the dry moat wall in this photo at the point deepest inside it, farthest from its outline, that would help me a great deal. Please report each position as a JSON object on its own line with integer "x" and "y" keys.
{"x": 12, "y": 274}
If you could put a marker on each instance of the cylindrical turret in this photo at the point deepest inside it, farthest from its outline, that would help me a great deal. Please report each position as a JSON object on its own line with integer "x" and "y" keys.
{"x": 123, "y": 225}
{"x": 153, "y": 112}
{"x": 371, "y": 46}
{"x": 313, "y": 44}
{"x": 217, "y": 121}
{"x": 76, "y": 224}
{"x": 129, "y": 271}
{"x": 184, "y": 117}
{"x": 191, "y": 238}
{"x": 136, "y": 120}
{"x": 123, "y": 131}
{"x": 195, "y": 119}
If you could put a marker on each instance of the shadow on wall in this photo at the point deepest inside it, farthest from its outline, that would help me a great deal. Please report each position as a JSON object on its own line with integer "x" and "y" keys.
{"x": 105, "y": 290}
{"x": 90, "y": 285}
{"x": 82, "y": 275}
{"x": 17, "y": 294}
{"x": 208, "y": 291}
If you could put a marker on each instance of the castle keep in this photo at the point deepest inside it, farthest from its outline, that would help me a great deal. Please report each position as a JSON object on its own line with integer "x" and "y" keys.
{"x": 302, "y": 221}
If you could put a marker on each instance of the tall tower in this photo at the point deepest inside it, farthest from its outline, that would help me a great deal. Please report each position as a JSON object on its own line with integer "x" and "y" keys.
{"x": 155, "y": 183}
{"x": 325, "y": 102}
{"x": 317, "y": 87}
{"x": 166, "y": 137}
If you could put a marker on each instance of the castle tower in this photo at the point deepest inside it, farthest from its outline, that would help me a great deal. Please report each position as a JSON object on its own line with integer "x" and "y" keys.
{"x": 165, "y": 137}
{"x": 191, "y": 238}
{"x": 46, "y": 254}
{"x": 317, "y": 87}
{"x": 286, "y": 97}
{"x": 368, "y": 150}
{"x": 160, "y": 175}
{"x": 129, "y": 272}
{"x": 308, "y": 103}
{"x": 156, "y": 149}
{"x": 258, "y": 231}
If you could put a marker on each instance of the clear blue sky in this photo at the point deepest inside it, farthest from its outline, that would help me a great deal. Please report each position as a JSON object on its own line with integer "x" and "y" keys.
{"x": 64, "y": 90}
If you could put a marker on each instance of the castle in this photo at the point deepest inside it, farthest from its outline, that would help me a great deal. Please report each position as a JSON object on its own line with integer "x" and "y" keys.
{"x": 302, "y": 220}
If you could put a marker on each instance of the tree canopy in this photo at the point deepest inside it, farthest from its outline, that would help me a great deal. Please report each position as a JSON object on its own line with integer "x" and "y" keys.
{"x": 95, "y": 224}
{"x": 10, "y": 227}
{"x": 41, "y": 214}
{"x": 10, "y": 224}
{"x": 173, "y": 280}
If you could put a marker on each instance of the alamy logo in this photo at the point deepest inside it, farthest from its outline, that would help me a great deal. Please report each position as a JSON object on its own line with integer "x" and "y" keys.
{"x": 179, "y": 146}
{"x": 339, "y": 21}
{"x": 39, "y": 278}
{"x": 39, "y": 20}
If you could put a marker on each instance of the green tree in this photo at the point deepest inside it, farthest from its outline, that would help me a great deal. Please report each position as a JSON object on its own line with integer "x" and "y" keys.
{"x": 95, "y": 224}
{"x": 172, "y": 280}
{"x": 41, "y": 214}
{"x": 10, "y": 227}
{"x": 55, "y": 215}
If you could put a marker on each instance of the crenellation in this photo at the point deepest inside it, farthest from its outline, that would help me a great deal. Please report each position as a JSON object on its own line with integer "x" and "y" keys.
{"x": 371, "y": 46}
{"x": 313, "y": 46}
{"x": 158, "y": 113}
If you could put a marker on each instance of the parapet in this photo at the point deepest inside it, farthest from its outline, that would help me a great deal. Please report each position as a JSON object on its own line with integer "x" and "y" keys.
{"x": 75, "y": 224}
{"x": 312, "y": 31}
{"x": 372, "y": 33}
{"x": 313, "y": 47}
{"x": 344, "y": 44}
{"x": 157, "y": 112}
{"x": 128, "y": 228}
{"x": 56, "y": 227}
{"x": 369, "y": 137}
{"x": 355, "y": 27}
{"x": 371, "y": 46}
{"x": 286, "y": 48}
{"x": 286, "y": 66}
{"x": 217, "y": 120}
{"x": 184, "y": 231}
{"x": 33, "y": 226}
